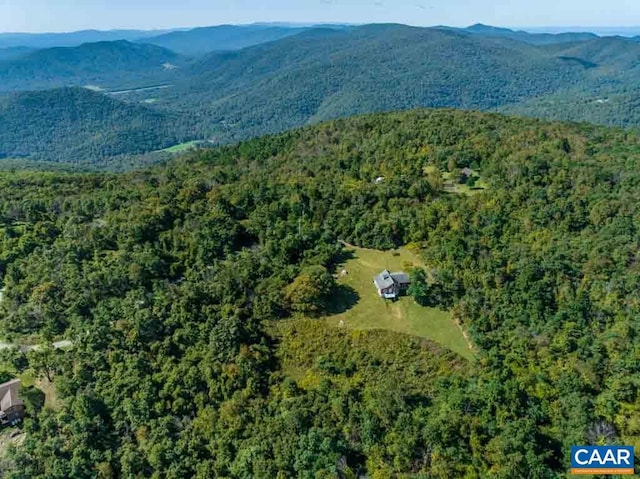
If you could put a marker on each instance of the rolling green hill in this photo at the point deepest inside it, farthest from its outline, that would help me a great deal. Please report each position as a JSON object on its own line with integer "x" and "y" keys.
{"x": 75, "y": 125}
{"x": 204, "y": 298}
{"x": 105, "y": 64}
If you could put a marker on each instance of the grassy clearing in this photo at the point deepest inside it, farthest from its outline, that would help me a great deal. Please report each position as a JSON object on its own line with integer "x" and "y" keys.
{"x": 363, "y": 309}
{"x": 310, "y": 351}
{"x": 50, "y": 393}
{"x": 181, "y": 147}
{"x": 452, "y": 184}
{"x": 95, "y": 88}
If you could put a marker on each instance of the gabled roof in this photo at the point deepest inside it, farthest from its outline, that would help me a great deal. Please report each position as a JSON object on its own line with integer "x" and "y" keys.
{"x": 384, "y": 280}
{"x": 400, "y": 277}
{"x": 9, "y": 395}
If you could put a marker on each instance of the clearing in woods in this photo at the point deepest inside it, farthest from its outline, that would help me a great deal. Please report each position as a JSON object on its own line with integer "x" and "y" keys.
{"x": 182, "y": 147}
{"x": 358, "y": 305}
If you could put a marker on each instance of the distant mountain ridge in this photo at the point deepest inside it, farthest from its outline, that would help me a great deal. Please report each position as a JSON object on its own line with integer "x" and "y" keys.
{"x": 331, "y": 72}
{"x": 524, "y": 36}
{"x": 321, "y": 74}
{"x": 72, "y": 39}
{"x": 100, "y": 63}
{"x": 627, "y": 32}
{"x": 224, "y": 37}
{"x": 189, "y": 41}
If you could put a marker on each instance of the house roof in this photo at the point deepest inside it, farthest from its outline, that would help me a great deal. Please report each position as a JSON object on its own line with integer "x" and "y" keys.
{"x": 384, "y": 280}
{"x": 400, "y": 277}
{"x": 9, "y": 395}
{"x": 467, "y": 171}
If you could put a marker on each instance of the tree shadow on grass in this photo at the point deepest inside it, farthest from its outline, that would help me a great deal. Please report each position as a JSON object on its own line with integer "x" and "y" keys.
{"x": 343, "y": 298}
{"x": 342, "y": 257}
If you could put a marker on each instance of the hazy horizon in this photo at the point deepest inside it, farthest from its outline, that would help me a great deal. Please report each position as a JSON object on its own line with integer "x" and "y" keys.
{"x": 600, "y": 30}
{"x": 64, "y": 16}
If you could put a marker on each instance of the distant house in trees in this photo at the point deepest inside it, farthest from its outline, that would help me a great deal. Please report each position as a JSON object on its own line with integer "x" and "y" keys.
{"x": 467, "y": 172}
{"x": 468, "y": 176}
{"x": 390, "y": 285}
{"x": 11, "y": 406}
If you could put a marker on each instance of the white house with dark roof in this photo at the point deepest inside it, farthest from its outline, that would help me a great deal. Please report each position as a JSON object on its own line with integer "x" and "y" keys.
{"x": 390, "y": 285}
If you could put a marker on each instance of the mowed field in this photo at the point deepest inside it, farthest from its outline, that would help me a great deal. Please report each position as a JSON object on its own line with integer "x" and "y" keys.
{"x": 182, "y": 147}
{"x": 361, "y": 307}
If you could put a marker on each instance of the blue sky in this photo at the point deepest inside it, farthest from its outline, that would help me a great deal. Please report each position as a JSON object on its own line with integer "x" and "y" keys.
{"x": 68, "y": 15}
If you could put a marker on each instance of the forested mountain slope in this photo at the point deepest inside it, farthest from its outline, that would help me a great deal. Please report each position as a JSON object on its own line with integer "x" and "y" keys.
{"x": 606, "y": 107}
{"x": 11, "y": 53}
{"x": 323, "y": 74}
{"x": 616, "y": 54}
{"x": 103, "y": 63}
{"x": 181, "y": 286}
{"x": 76, "y": 125}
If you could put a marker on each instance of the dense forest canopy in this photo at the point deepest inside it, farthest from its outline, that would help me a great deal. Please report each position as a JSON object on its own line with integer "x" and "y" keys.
{"x": 190, "y": 359}
{"x": 76, "y": 125}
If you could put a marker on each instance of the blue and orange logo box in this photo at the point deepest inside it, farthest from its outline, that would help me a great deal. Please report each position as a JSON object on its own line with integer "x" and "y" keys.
{"x": 602, "y": 460}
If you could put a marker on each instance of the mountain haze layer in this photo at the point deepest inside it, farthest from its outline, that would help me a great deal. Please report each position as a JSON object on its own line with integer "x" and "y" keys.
{"x": 224, "y": 37}
{"x": 72, "y": 39}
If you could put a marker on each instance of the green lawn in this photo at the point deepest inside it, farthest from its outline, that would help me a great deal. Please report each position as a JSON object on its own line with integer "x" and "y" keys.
{"x": 405, "y": 315}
